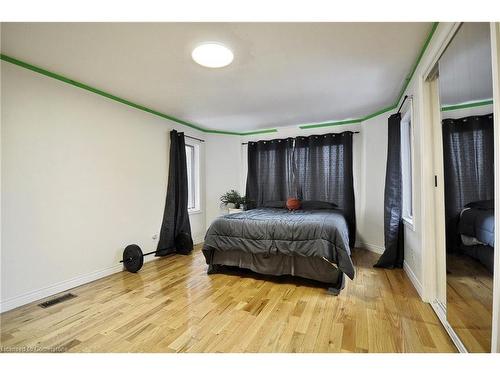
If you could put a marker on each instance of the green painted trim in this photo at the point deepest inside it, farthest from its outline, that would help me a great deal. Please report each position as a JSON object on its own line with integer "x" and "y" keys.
{"x": 415, "y": 65}
{"x": 96, "y": 91}
{"x": 347, "y": 122}
{"x": 466, "y": 105}
{"x": 215, "y": 131}
{"x": 400, "y": 94}
{"x": 224, "y": 132}
{"x": 260, "y": 132}
{"x": 331, "y": 123}
{"x": 379, "y": 112}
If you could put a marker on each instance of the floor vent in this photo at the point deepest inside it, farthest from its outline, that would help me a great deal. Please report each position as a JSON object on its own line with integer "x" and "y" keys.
{"x": 57, "y": 300}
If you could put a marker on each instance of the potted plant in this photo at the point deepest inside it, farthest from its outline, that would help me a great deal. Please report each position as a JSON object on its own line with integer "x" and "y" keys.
{"x": 231, "y": 200}
{"x": 245, "y": 203}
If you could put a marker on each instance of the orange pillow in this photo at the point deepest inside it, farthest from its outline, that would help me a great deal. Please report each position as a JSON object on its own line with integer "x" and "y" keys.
{"x": 292, "y": 204}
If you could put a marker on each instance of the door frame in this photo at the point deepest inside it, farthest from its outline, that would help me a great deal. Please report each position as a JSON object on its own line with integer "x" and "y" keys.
{"x": 495, "y": 65}
{"x": 427, "y": 150}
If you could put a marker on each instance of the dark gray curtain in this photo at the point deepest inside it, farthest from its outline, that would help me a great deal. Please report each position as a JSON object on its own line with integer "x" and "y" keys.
{"x": 270, "y": 171}
{"x": 323, "y": 171}
{"x": 393, "y": 255}
{"x": 468, "y": 154}
{"x": 175, "y": 216}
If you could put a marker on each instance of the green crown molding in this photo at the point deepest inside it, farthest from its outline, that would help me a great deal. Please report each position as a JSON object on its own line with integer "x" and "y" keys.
{"x": 473, "y": 104}
{"x": 398, "y": 99}
{"x": 108, "y": 95}
{"x": 414, "y": 67}
{"x": 263, "y": 131}
{"x": 95, "y": 90}
{"x": 331, "y": 123}
{"x": 260, "y": 132}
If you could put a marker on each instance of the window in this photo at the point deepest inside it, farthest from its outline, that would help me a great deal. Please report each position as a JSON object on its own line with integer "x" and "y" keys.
{"x": 407, "y": 166}
{"x": 193, "y": 173}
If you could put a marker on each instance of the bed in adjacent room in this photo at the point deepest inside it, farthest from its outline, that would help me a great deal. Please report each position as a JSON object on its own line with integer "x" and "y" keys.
{"x": 476, "y": 227}
{"x": 312, "y": 244}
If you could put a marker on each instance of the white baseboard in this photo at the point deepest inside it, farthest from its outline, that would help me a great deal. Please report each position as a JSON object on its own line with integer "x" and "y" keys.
{"x": 199, "y": 238}
{"x": 413, "y": 278}
{"x": 440, "y": 311}
{"x": 371, "y": 247}
{"x": 13, "y": 302}
{"x": 23, "y": 299}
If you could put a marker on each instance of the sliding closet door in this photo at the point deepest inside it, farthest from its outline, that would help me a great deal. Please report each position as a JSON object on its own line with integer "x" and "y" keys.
{"x": 467, "y": 128}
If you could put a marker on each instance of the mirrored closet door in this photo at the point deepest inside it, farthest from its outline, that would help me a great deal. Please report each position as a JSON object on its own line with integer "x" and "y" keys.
{"x": 465, "y": 93}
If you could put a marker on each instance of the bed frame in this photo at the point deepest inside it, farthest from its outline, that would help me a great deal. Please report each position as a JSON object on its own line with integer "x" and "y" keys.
{"x": 312, "y": 268}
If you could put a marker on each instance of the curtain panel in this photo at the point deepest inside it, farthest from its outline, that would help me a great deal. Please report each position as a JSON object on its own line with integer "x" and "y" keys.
{"x": 310, "y": 168}
{"x": 393, "y": 255}
{"x": 270, "y": 171}
{"x": 468, "y": 155}
{"x": 175, "y": 223}
{"x": 324, "y": 171}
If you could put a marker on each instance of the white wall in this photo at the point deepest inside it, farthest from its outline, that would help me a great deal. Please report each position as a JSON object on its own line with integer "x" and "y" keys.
{"x": 223, "y": 171}
{"x": 82, "y": 177}
{"x": 373, "y": 181}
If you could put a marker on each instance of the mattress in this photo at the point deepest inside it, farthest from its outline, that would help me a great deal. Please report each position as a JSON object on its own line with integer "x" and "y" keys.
{"x": 477, "y": 225}
{"x": 319, "y": 234}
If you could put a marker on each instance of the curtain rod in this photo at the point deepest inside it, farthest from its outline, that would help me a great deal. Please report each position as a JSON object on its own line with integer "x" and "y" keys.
{"x": 245, "y": 143}
{"x": 403, "y": 102}
{"x": 197, "y": 139}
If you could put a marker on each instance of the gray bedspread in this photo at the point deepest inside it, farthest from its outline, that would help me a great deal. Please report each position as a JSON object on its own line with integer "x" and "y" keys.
{"x": 318, "y": 233}
{"x": 478, "y": 223}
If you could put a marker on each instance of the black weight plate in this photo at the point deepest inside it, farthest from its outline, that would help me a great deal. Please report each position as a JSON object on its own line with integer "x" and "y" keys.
{"x": 133, "y": 258}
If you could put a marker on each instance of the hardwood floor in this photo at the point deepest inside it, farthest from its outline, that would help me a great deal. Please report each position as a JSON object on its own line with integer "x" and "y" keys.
{"x": 172, "y": 305}
{"x": 469, "y": 302}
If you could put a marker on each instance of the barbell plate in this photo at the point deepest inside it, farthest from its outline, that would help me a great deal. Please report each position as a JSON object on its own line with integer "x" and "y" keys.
{"x": 133, "y": 259}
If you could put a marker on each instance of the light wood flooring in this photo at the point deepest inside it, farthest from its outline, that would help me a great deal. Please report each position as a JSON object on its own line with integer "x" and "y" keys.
{"x": 469, "y": 302}
{"x": 172, "y": 305}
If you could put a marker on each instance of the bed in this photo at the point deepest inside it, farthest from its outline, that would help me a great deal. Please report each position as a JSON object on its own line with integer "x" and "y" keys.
{"x": 312, "y": 244}
{"x": 476, "y": 227}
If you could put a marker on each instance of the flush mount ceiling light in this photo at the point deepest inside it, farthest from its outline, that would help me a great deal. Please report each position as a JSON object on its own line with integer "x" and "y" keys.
{"x": 212, "y": 55}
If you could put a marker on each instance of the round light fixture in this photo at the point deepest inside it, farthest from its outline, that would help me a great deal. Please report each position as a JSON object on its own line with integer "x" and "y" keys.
{"x": 212, "y": 55}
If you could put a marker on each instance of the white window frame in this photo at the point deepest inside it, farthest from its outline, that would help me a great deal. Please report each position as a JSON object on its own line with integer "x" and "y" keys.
{"x": 407, "y": 167}
{"x": 195, "y": 175}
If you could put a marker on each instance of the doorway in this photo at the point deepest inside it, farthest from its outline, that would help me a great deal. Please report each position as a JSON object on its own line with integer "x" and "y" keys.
{"x": 461, "y": 93}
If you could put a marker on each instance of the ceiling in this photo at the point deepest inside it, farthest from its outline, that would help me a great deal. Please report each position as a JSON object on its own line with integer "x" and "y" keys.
{"x": 282, "y": 74}
{"x": 465, "y": 72}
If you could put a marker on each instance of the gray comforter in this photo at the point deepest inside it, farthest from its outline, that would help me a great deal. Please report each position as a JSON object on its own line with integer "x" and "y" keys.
{"x": 478, "y": 223}
{"x": 318, "y": 233}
